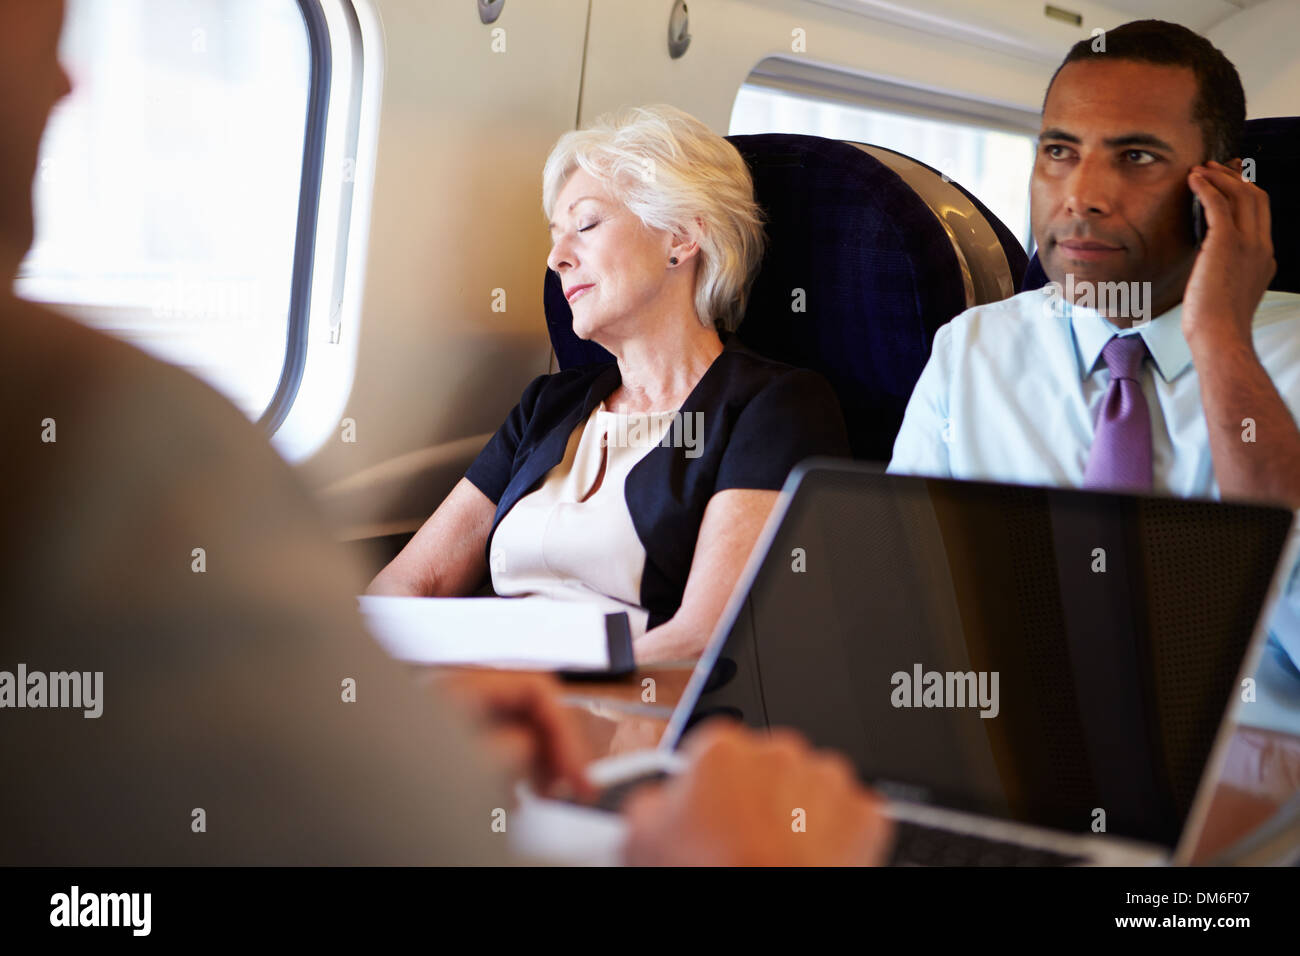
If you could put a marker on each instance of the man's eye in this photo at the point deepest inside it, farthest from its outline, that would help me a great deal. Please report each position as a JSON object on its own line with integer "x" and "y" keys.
{"x": 1139, "y": 157}
{"x": 1054, "y": 151}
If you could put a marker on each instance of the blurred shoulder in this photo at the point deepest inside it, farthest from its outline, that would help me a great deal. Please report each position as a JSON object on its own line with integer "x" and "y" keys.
{"x": 64, "y": 365}
{"x": 93, "y": 420}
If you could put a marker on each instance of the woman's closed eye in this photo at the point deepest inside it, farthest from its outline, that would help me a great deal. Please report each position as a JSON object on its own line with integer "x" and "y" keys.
{"x": 589, "y": 226}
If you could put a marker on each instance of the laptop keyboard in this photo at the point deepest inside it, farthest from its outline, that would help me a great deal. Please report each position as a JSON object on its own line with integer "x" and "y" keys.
{"x": 918, "y": 845}
{"x": 914, "y": 843}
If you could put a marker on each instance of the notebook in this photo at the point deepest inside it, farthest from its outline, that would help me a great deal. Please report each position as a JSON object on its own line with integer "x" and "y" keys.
{"x": 523, "y": 633}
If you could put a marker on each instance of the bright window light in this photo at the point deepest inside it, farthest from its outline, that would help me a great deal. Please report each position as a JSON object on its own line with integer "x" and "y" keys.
{"x": 167, "y": 191}
{"x": 992, "y": 164}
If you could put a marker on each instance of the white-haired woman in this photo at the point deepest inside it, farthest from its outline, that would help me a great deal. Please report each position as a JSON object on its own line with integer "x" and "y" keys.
{"x": 639, "y": 484}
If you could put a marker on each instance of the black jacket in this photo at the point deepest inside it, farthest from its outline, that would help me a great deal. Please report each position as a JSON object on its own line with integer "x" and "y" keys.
{"x": 759, "y": 419}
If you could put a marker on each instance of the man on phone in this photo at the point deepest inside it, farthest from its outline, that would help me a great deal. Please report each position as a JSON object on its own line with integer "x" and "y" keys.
{"x": 1154, "y": 359}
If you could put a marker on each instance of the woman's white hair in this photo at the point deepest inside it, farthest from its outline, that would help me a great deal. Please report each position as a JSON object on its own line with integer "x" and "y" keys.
{"x": 670, "y": 170}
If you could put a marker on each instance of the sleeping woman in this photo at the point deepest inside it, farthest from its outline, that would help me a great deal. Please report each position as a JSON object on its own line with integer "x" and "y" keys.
{"x": 639, "y": 484}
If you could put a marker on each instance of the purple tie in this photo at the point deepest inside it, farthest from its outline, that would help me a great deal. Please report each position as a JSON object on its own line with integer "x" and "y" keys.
{"x": 1121, "y": 443}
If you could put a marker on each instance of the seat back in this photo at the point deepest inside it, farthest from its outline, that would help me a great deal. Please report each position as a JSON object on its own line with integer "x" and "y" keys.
{"x": 868, "y": 254}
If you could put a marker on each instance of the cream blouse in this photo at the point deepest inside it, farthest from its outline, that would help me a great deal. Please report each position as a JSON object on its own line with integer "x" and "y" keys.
{"x": 572, "y": 537}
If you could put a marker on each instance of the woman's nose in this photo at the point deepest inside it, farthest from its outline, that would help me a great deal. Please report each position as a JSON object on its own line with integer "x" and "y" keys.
{"x": 561, "y": 256}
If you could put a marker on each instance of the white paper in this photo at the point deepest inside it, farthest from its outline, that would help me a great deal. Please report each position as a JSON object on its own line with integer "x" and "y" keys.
{"x": 529, "y": 633}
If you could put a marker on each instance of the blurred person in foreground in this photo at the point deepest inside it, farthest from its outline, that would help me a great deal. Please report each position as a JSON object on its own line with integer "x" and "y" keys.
{"x": 219, "y": 732}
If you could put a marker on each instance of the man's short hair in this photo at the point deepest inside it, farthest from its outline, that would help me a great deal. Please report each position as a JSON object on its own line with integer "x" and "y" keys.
{"x": 1220, "y": 105}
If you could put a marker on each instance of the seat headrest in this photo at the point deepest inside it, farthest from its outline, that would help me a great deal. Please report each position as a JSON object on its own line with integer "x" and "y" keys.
{"x": 1274, "y": 144}
{"x": 872, "y": 267}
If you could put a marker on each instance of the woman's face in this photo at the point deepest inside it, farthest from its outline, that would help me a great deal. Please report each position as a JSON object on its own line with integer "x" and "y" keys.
{"x": 613, "y": 267}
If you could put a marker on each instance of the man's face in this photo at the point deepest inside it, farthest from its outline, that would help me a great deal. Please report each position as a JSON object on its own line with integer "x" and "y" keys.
{"x": 1109, "y": 195}
{"x": 31, "y": 82}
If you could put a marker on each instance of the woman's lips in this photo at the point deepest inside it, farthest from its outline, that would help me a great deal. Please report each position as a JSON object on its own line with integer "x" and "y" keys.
{"x": 577, "y": 292}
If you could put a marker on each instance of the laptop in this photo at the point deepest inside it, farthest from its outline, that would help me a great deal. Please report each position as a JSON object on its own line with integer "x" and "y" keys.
{"x": 1029, "y": 675}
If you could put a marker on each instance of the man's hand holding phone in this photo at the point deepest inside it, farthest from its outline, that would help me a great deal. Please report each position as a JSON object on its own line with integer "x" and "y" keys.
{"x": 1235, "y": 263}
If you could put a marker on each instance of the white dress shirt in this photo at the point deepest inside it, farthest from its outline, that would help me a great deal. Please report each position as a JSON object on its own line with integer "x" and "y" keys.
{"x": 1012, "y": 390}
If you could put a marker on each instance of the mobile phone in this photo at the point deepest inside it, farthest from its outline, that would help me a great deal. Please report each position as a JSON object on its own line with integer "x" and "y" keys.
{"x": 1198, "y": 221}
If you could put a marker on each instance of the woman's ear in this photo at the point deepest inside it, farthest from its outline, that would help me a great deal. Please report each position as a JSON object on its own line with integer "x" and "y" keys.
{"x": 685, "y": 244}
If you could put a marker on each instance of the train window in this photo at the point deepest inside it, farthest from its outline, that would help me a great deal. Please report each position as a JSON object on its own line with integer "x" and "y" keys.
{"x": 174, "y": 185}
{"x": 993, "y": 162}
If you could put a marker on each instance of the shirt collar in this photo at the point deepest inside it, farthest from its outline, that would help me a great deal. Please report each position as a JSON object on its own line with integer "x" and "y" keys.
{"x": 1163, "y": 336}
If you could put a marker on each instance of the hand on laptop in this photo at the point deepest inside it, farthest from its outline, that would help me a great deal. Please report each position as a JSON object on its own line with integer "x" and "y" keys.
{"x": 753, "y": 800}
{"x": 525, "y": 725}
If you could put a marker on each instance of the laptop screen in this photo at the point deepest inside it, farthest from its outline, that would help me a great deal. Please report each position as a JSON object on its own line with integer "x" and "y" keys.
{"x": 1049, "y": 656}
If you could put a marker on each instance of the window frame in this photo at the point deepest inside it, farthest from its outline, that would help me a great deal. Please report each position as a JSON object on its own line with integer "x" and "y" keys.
{"x": 829, "y": 85}
{"x": 853, "y": 89}
{"x": 309, "y": 201}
